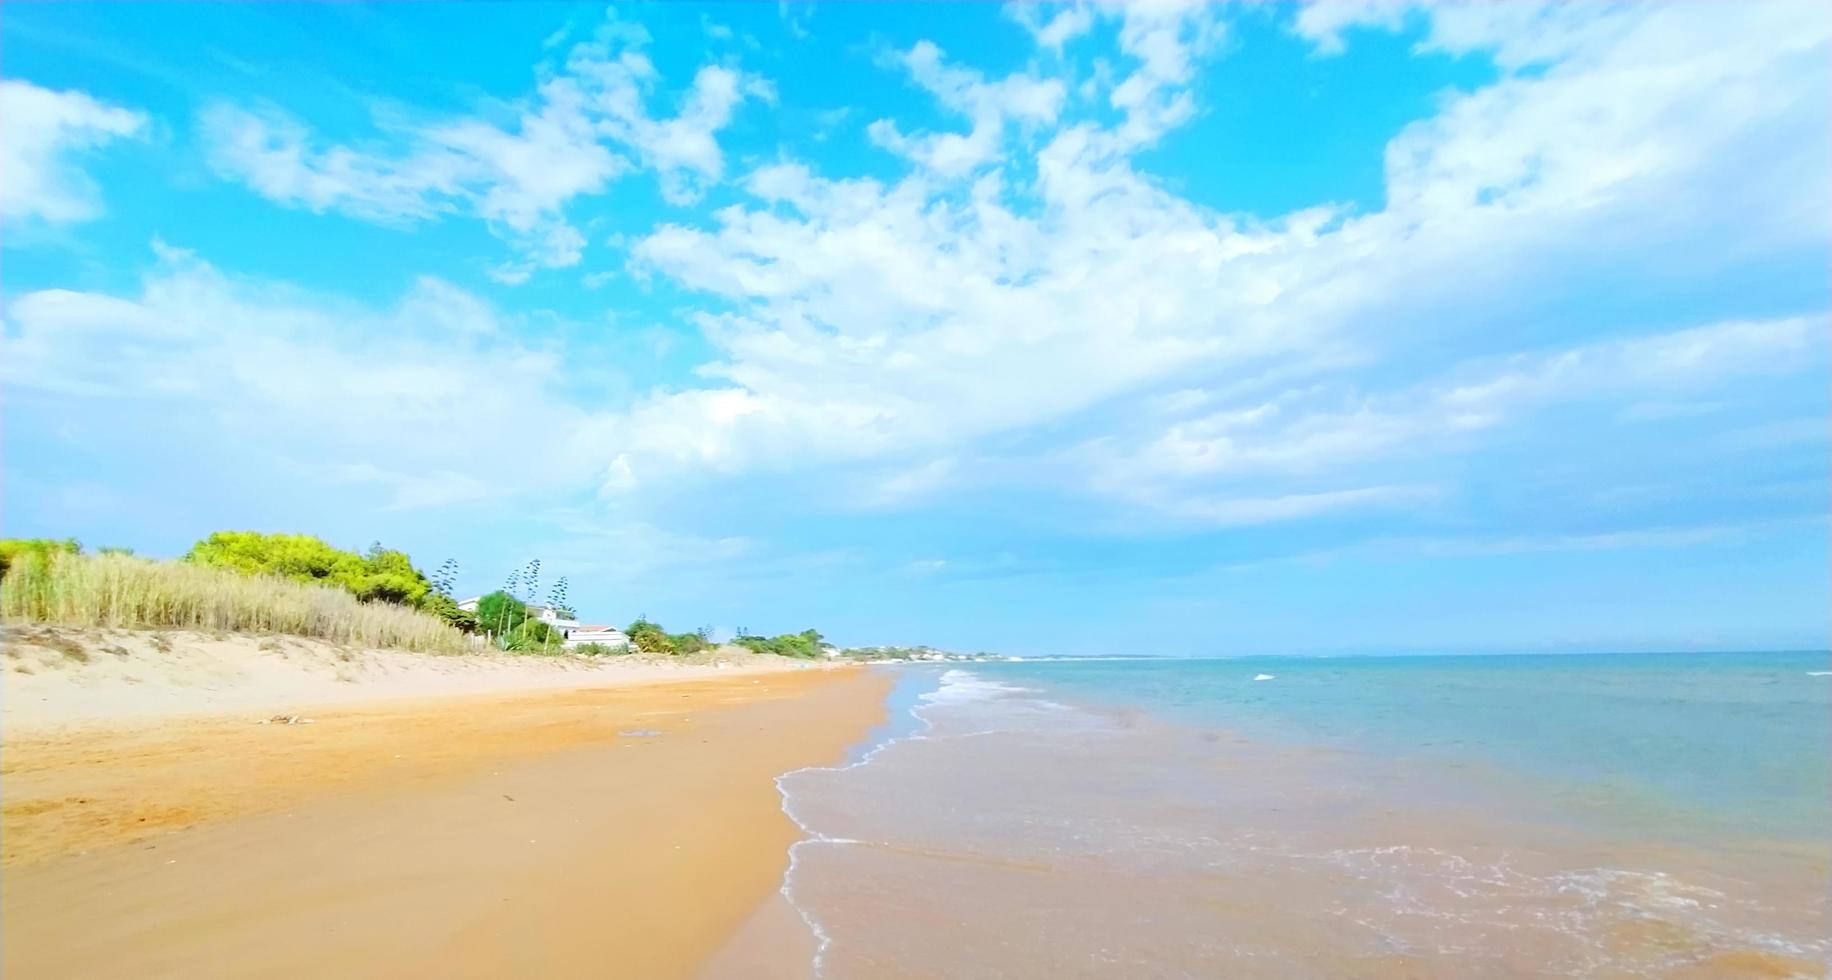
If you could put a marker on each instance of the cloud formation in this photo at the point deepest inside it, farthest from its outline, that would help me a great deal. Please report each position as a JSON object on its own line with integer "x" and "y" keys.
{"x": 42, "y": 135}
{"x": 587, "y": 123}
{"x": 398, "y": 398}
{"x": 905, "y": 322}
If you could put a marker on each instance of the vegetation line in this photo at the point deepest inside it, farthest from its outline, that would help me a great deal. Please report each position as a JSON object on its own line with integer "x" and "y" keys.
{"x": 120, "y": 591}
{"x": 249, "y": 582}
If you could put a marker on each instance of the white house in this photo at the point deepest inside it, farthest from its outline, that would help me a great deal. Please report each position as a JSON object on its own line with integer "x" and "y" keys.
{"x": 571, "y": 631}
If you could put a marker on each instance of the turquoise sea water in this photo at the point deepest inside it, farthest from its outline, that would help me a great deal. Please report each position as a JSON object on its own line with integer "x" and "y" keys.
{"x": 1742, "y": 737}
{"x": 1458, "y": 816}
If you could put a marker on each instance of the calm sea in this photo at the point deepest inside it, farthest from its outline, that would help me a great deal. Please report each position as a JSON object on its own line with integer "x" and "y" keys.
{"x": 1456, "y": 816}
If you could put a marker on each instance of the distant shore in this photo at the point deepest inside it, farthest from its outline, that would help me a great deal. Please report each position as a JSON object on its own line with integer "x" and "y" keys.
{"x": 168, "y": 812}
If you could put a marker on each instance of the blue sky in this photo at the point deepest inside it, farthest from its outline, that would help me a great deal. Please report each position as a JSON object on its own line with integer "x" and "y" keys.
{"x": 1159, "y": 327}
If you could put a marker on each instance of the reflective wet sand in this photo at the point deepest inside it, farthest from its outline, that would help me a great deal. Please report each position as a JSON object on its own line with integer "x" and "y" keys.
{"x": 1023, "y": 839}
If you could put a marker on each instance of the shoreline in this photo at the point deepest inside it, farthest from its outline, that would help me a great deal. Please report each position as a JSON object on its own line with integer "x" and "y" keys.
{"x": 624, "y": 826}
{"x": 1132, "y": 827}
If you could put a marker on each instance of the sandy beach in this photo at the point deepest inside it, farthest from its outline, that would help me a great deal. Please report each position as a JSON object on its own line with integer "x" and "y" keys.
{"x": 621, "y": 821}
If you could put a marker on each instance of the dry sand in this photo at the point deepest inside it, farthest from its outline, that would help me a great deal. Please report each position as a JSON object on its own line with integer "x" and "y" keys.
{"x": 628, "y": 828}
{"x": 53, "y": 676}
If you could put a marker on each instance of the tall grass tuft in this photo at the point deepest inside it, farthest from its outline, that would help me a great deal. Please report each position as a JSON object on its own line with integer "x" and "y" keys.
{"x": 134, "y": 593}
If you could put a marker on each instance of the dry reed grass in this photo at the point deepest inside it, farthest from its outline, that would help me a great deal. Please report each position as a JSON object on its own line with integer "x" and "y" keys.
{"x": 118, "y": 591}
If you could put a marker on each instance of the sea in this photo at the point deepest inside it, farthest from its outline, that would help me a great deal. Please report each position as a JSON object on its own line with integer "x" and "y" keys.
{"x": 1583, "y": 815}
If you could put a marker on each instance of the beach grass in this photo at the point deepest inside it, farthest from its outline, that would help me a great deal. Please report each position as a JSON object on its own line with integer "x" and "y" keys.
{"x": 124, "y": 592}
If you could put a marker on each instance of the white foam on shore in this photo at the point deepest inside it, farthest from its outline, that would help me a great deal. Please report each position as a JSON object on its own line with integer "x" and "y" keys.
{"x": 954, "y": 687}
{"x": 958, "y": 686}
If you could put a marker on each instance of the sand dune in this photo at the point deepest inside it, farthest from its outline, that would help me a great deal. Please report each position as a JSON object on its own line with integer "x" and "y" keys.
{"x": 51, "y": 676}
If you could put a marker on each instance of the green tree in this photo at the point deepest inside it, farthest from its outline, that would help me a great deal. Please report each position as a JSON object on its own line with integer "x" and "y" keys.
{"x": 446, "y": 608}
{"x": 500, "y": 613}
{"x": 296, "y": 556}
{"x": 381, "y": 575}
{"x": 807, "y": 644}
{"x": 647, "y": 637}
{"x": 389, "y": 576}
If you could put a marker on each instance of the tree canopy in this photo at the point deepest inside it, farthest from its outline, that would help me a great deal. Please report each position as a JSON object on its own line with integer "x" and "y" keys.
{"x": 807, "y": 644}
{"x": 378, "y": 575}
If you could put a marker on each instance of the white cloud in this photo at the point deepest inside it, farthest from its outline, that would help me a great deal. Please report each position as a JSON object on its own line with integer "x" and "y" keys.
{"x": 1023, "y": 99}
{"x": 397, "y": 397}
{"x": 1052, "y": 32}
{"x": 41, "y": 133}
{"x": 714, "y": 29}
{"x": 1315, "y": 429}
{"x": 900, "y": 323}
{"x": 587, "y": 123}
{"x": 1234, "y": 509}
{"x": 1165, "y": 37}
{"x": 894, "y": 335}
{"x": 1325, "y": 21}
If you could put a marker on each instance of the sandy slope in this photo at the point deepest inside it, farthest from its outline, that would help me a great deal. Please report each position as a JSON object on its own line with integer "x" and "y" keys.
{"x": 61, "y": 676}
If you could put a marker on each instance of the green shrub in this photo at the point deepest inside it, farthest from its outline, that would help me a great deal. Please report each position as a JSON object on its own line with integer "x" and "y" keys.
{"x": 381, "y": 575}
{"x": 533, "y": 636}
{"x": 500, "y": 613}
{"x": 446, "y": 608}
{"x": 806, "y": 645}
{"x": 647, "y": 637}
{"x": 599, "y": 650}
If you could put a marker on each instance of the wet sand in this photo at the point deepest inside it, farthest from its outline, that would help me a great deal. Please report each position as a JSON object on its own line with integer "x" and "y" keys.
{"x": 534, "y": 835}
{"x": 1024, "y": 838}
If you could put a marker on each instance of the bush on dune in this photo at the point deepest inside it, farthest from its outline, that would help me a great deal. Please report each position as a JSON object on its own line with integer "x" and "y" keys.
{"x": 381, "y": 575}
{"x": 378, "y": 575}
{"x": 805, "y": 645}
{"x": 118, "y": 591}
{"x": 647, "y": 637}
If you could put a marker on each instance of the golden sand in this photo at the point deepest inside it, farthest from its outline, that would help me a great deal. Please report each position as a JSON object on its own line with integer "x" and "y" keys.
{"x": 520, "y": 836}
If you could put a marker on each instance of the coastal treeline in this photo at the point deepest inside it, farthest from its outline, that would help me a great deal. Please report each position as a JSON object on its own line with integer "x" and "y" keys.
{"x": 379, "y": 575}
{"x": 248, "y": 581}
{"x": 64, "y": 586}
{"x": 648, "y": 637}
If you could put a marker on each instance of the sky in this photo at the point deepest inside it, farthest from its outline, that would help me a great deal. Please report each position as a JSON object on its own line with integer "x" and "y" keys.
{"x": 1163, "y": 327}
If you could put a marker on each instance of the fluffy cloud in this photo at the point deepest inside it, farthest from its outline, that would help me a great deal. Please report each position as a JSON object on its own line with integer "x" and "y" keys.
{"x": 41, "y": 131}
{"x": 398, "y": 397}
{"x": 587, "y": 123}
{"x": 1023, "y": 99}
{"x": 1027, "y": 293}
{"x": 902, "y": 323}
